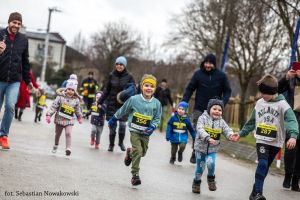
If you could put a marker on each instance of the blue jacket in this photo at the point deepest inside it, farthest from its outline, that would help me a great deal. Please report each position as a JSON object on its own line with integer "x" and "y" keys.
{"x": 207, "y": 85}
{"x": 178, "y": 127}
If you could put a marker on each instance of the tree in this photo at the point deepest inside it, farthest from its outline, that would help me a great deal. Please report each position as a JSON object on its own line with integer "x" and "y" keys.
{"x": 288, "y": 11}
{"x": 203, "y": 27}
{"x": 255, "y": 47}
{"x": 116, "y": 39}
{"x": 79, "y": 43}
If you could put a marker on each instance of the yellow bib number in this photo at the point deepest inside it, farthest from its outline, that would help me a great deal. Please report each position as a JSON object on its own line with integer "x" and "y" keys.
{"x": 214, "y": 133}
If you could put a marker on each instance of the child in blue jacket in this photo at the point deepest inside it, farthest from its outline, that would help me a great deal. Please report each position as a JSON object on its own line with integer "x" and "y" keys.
{"x": 177, "y": 131}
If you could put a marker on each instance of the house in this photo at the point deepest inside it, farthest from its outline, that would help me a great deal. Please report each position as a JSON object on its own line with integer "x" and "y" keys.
{"x": 56, "y": 50}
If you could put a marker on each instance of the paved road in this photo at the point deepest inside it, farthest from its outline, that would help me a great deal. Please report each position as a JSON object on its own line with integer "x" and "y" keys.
{"x": 30, "y": 168}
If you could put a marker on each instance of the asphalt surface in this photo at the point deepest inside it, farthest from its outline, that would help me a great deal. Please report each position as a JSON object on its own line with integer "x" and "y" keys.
{"x": 31, "y": 171}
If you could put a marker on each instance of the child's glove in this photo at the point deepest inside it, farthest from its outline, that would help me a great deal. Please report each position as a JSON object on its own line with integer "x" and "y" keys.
{"x": 148, "y": 131}
{"x": 168, "y": 139}
{"x": 79, "y": 120}
{"x": 48, "y": 119}
{"x": 112, "y": 123}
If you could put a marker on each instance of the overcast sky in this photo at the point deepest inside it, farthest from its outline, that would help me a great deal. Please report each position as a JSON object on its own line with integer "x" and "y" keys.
{"x": 150, "y": 17}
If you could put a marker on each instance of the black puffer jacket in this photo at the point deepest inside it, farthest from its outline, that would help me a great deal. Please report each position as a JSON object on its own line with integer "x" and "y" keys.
{"x": 14, "y": 63}
{"x": 116, "y": 83}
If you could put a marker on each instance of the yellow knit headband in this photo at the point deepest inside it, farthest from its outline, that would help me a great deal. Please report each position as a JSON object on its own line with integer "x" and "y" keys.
{"x": 149, "y": 80}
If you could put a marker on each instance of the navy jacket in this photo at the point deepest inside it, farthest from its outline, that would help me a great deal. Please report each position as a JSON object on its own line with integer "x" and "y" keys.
{"x": 98, "y": 115}
{"x": 178, "y": 127}
{"x": 207, "y": 85}
{"x": 14, "y": 63}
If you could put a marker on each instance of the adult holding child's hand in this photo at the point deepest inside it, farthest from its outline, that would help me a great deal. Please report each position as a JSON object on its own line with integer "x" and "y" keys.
{"x": 290, "y": 84}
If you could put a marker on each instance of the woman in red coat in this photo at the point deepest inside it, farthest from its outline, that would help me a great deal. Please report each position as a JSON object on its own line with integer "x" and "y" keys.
{"x": 24, "y": 97}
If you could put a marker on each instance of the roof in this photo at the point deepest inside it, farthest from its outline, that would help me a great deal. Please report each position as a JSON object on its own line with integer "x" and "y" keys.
{"x": 72, "y": 54}
{"x": 53, "y": 37}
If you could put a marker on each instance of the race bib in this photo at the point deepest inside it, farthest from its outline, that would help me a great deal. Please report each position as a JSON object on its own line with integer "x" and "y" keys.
{"x": 179, "y": 127}
{"x": 213, "y": 133}
{"x": 266, "y": 132}
{"x": 95, "y": 111}
{"x": 66, "y": 111}
{"x": 140, "y": 122}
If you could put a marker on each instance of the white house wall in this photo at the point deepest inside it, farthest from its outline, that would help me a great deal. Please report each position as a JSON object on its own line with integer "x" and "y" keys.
{"x": 56, "y": 53}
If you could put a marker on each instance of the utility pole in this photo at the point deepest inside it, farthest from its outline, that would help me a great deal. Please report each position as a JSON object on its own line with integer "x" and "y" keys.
{"x": 47, "y": 43}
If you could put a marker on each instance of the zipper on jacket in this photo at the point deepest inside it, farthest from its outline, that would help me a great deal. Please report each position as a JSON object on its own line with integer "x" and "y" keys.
{"x": 208, "y": 142}
{"x": 9, "y": 66}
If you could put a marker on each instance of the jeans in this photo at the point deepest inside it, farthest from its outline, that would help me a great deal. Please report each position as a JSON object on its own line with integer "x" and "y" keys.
{"x": 11, "y": 92}
{"x": 202, "y": 160}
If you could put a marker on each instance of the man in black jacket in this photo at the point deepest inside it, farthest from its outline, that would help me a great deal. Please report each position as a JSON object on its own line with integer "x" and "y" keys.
{"x": 209, "y": 82}
{"x": 290, "y": 84}
{"x": 14, "y": 66}
{"x": 163, "y": 94}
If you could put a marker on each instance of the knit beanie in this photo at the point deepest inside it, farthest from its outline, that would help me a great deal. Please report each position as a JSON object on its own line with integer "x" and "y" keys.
{"x": 148, "y": 78}
{"x": 183, "y": 105}
{"x": 72, "y": 84}
{"x": 213, "y": 102}
{"x": 73, "y": 76}
{"x": 209, "y": 58}
{"x": 268, "y": 85}
{"x": 15, "y": 16}
{"x": 122, "y": 60}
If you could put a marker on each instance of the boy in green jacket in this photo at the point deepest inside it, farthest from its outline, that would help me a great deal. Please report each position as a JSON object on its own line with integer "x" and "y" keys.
{"x": 144, "y": 112}
{"x": 272, "y": 118}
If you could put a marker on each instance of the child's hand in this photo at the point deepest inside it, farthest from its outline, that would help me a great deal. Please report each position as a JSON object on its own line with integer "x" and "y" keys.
{"x": 212, "y": 141}
{"x": 48, "y": 119}
{"x": 291, "y": 143}
{"x": 234, "y": 137}
{"x": 79, "y": 120}
{"x": 148, "y": 131}
{"x": 99, "y": 106}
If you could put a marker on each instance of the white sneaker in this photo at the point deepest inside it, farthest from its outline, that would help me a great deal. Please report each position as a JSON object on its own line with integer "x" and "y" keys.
{"x": 54, "y": 150}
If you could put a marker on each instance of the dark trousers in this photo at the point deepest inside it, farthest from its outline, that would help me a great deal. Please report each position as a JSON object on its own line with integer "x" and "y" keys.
{"x": 292, "y": 160}
{"x": 292, "y": 156}
{"x": 113, "y": 132}
{"x": 38, "y": 113}
{"x": 266, "y": 155}
{"x": 174, "y": 148}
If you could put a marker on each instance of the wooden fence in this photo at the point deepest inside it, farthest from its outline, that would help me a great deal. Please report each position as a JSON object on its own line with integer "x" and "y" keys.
{"x": 231, "y": 113}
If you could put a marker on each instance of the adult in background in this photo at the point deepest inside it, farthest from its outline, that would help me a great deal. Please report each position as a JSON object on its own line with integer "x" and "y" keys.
{"x": 24, "y": 97}
{"x": 209, "y": 82}
{"x": 163, "y": 94}
{"x": 290, "y": 83}
{"x": 118, "y": 80}
{"x": 14, "y": 65}
{"x": 88, "y": 89}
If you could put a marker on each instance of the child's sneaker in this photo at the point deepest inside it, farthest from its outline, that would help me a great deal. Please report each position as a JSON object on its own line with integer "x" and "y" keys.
{"x": 4, "y": 143}
{"x": 97, "y": 146}
{"x": 196, "y": 186}
{"x": 179, "y": 157}
{"x": 256, "y": 196}
{"x": 68, "y": 152}
{"x": 127, "y": 159}
{"x": 136, "y": 180}
{"x": 211, "y": 183}
{"x": 92, "y": 142}
{"x": 54, "y": 150}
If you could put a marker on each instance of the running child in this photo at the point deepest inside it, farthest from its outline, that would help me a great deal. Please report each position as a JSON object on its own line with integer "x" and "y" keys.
{"x": 177, "y": 131}
{"x": 272, "y": 118}
{"x": 144, "y": 115}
